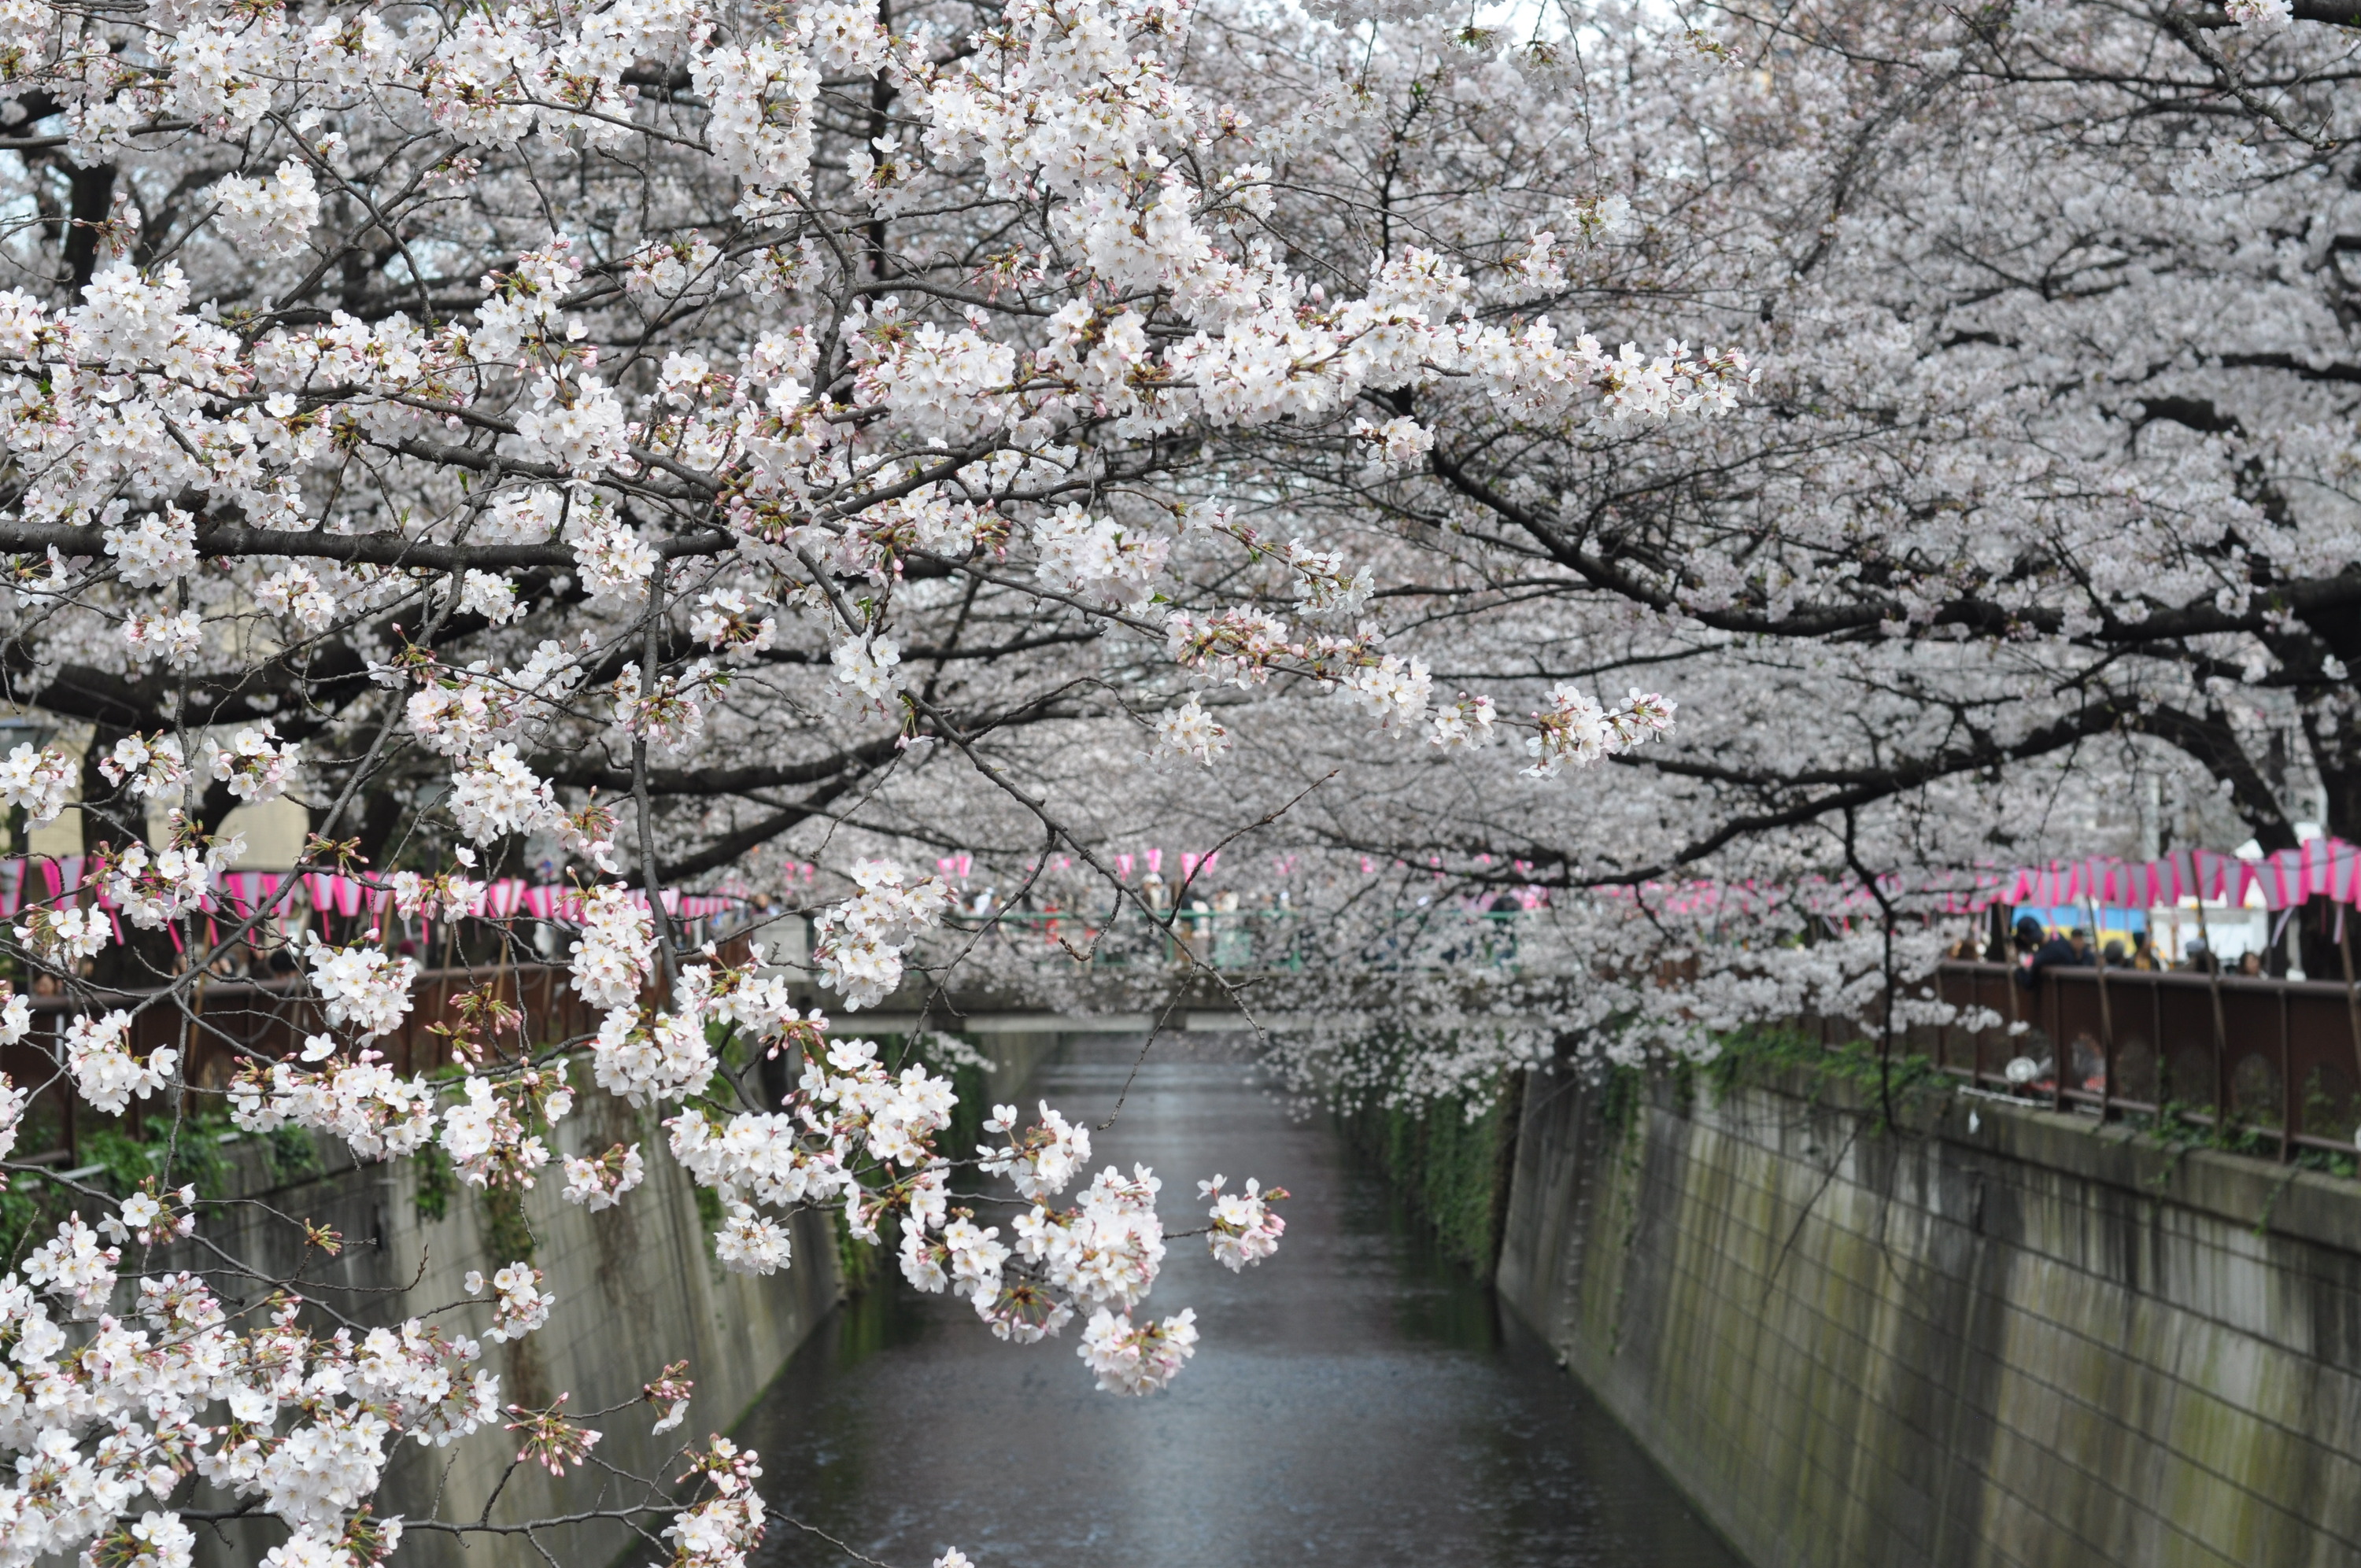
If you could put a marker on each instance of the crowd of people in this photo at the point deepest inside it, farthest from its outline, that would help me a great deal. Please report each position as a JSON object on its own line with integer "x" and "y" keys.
{"x": 2033, "y": 948}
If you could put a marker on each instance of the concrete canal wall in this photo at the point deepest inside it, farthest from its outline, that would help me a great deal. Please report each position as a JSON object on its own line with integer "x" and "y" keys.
{"x": 637, "y": 1287}
{"x": 2003, "y": 1337}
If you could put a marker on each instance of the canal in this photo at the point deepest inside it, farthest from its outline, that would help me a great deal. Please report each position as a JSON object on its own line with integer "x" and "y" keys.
{"x": 1356, "y": 1400}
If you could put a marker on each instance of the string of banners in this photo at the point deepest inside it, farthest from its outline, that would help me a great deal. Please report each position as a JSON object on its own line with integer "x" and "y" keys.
{"x": 500, "y": 900}
{"x": 49, "y": 878}
{"x": 2317, "y": 868}
{"x": 2327, "y": 868}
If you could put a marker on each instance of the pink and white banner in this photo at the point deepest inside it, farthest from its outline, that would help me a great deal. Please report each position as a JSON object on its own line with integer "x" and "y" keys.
{"x": 2329, "y": 867}
{"x": 245, "y": 894}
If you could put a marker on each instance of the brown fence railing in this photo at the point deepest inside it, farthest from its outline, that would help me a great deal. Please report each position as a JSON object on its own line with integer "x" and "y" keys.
{"x": 229, "y": 1020}
{"x": 2277, "y": 1058}
{"x": 2280, "y": 1059}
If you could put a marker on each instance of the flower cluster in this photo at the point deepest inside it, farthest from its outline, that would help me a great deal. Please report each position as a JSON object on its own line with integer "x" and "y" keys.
{"x": 864, "y": 670}
{"x": 730, "y": 621}
{"x": 779, "y": 1159}
{"x": 719, "y": 1532}
{"x": 612, "y": 958}
{"x": 152, "y": 890}
{"x": 1098, "y": 557}
{"x": 146, "y": 764}
{"x": 298, "y": 596}
{"x": 72, "y": 1265}
{"x": 153, "y": 1217}
{"x": 519, "y": 1306}
{"x": 861, "y": 941}
{"x": 600, "y": 1183}
{"x": 670, "y": 1394}
{"x": 275, "y": 216}
{"x": 1101, "y": 1256}
{"x": 358, "y": 1099}
{"x": 98, "y": 1053}
{"x": 367, "y": 988}
{"x": 459, "y": 713}
{"x": 489, "y": 1133}
{"x": 60, "y": 936}
{"x": 496, "y": 793}
{"x": 36, "y": 781}
{"x": 751, "y": 1242}
{"x": 256, "y": 765}
{"x": 1243, "y": 1230}
{"x": 109, "y": 1416}
{"x": 451, "y": 892}
{"x": 1575, "y": 731}
{"x": 1190, "y": 732}
{"x": 653, "y": 1060}
{"x": 1042, "y": 1162}
{"x": 1136, "y": 1360}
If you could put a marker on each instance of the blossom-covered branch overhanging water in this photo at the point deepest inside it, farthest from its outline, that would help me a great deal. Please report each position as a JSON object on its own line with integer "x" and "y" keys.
{"x": 598, "y": 445}
{"x": 615, "y": 437}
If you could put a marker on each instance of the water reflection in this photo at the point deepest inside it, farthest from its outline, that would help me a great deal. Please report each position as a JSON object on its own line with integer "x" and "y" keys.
{"x": 1355, "y": 1401}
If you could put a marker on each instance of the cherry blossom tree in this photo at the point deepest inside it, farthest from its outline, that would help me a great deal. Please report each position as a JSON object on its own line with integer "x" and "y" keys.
{"x": 660, "y": 438}
{"x": 650, "y": 432}
{"x": 2052, "y": 444}
{"x": 2035, "y": 536}
{"x": 2047, "y": 477}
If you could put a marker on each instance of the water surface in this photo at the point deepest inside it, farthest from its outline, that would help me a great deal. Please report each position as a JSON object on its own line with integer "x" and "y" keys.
{"x": 1356, "y": 1401}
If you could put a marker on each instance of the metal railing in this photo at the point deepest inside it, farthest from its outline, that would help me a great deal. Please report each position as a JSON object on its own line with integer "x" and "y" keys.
{"x": 2277, "y": 1058}
{"x": 226, "y": 1022}
{"x": 2273, "y": 1059}
{"x": 223, "y": 1023}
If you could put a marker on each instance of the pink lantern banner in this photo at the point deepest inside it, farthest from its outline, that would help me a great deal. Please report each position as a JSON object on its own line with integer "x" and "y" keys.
{"x": 244, "y": 892}
{"x": 2318, "y": 868}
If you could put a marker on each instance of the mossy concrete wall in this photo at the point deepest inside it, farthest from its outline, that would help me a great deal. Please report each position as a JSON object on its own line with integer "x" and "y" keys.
{"x": 2003, "y": 1337}
{"x": 637, "y": 1287}
{"x": 1450, "y": 1158}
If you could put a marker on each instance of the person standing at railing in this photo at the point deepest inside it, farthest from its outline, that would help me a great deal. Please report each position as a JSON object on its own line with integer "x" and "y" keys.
{"x": 2143, "y": 953}
{"x": 1233, "y": 942}
{"x": 1502, "y": 915}
{"x": 2069, "y": 952}
{"x": 1154, "y": 893}
{"x": 2027, "y": 939}
{"x": 1193, "y": 926}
